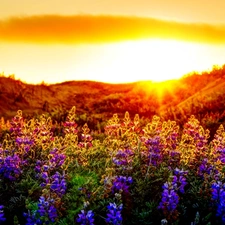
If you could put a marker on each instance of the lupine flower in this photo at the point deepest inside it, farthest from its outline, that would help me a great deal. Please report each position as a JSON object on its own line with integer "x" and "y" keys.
{"x": 113, "y": 126}
{"x": 219, "y": 148}
{"x": 218, "y": 195}
{"x": 86, "y": 138}
{"x": 123, "y": 158}
{"x": 114, "y": 216}
{"x": 16, "y": 124}
{"x": 2, "y": 217}
{"x": 179, "y": 179}
{"x": 121, "y": 183}
{"x": 216, "y": 187}
{"x": 45, "y": 177}
{"x": 25, "y": 143}
{"x": 169, "y": 201}
{"x": 31, "y": 218}
{"x": 154, "y": 150}
{"x": 47, "y": 209}
{"x": 58, "y": 184}
{"x": 70, "y": 126}
{"x": 194, "y": 142}
{"x": 85, "y": 218}
{"x": 222, "y": 155}
{"x": 38, "y": 166}
{"x": 42, "y": 132}
{"x": 204, "y": 168}
{"x": 42, "y": 167}
{"x": 57, "y": 159}
{"x": 174, "y": 157}
{"x": 86, "y": 141}
{"x": 24, "y": 140}
{"x": 10, "y": 167}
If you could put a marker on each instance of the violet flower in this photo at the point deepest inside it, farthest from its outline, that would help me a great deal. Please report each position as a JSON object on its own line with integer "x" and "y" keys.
{"x": 121, "y": 183}
{"x": 2, "y": 216}
{"x": 47, "y": 209}
{"x": 114, "y": 215}
{"x": 85, "y": 218}
{"x": 10, "y": 167}
{"x": 170, "y": 198}
{"x": 218, "y": 195}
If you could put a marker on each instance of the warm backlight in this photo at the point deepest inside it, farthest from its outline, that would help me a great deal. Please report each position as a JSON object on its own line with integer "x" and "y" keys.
{"x": 155, "y": 60}
{"x": 120, "y": 62}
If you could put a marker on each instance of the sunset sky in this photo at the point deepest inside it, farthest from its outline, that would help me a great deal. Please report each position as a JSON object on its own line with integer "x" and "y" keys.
{"x": 110, "y": 40}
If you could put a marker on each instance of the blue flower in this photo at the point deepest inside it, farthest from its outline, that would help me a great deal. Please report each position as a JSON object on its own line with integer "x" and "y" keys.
{"x": 170, "y": 198}
{"x": 121, "y": 183}
{"x": 179, "y": 180}
{"x": 85, "y": 218}
{"x": 123, "y": 158}
{"x": 31, "y": 219}
{"x": 47, "y": 209}
{"x": 155, "y": 148}
{"x": 218, "y": 195}
{"x": 57, "y": 159}
{"x": 2, "y": 216}
{"x": 58, "y": 184}
{"x": 114, "y": 215}
{"x": 10, "y": 167}
{"x": 204, "y": 168}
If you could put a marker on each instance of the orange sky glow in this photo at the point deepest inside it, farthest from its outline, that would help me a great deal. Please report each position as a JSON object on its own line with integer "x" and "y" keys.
{"x": 110, "y": 41}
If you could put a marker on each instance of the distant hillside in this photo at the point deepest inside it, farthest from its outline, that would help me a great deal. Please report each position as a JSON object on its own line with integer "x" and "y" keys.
{"x": 199, "y": 94}
{"x": 57, "y": 98}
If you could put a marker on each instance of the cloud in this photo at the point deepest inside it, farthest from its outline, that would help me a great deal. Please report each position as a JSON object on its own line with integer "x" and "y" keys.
{"x": 81, "y": 29}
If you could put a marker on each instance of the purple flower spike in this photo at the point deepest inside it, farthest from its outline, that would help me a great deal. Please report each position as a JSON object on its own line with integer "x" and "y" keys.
{"x": 169, "y": 199}
{"x": 47, "y": 209}
{"x": 218, "y": 195}
{"x": 114, "y": 216}
{"x": 2, "y": 217}
{"x": 121, "y": 183}
{"x": 10, "y": 167}
{"x": 85, "y": 218}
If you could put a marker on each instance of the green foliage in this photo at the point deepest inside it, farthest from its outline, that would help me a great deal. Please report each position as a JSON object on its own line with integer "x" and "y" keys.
{"x": 90, "y": 163}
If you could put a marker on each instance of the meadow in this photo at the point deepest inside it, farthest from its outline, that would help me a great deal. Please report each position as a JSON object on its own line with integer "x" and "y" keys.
{"x": 132, "y": 173}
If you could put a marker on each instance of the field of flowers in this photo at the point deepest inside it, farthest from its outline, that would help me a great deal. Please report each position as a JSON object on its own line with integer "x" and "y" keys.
{"x": 130, "y": 174}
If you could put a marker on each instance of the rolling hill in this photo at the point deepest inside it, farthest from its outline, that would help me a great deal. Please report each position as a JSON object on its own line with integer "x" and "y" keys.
{"x": 198, "y": 94}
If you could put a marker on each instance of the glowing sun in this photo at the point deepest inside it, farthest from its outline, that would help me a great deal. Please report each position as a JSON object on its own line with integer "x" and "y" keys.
{"x": 155, "y": 60}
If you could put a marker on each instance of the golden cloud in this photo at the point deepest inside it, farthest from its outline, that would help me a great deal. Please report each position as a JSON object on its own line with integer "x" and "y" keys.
{"x": 81, "y": 29}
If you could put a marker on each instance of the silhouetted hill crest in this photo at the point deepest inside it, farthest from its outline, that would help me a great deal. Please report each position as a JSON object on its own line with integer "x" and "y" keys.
{"x": 193, "y": 94}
